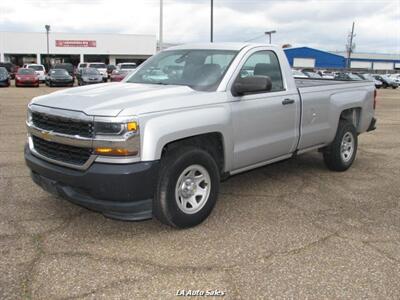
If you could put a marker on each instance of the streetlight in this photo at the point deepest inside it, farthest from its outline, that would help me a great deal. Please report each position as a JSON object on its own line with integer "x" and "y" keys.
{"x": 160, "y": 37}
{"x": 47, "y": 33}
{"x": 212, "y": 22}
{"x": 269, "y": 33}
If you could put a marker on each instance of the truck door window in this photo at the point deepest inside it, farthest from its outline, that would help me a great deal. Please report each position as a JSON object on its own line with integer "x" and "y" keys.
{"x": 264, "y": 63}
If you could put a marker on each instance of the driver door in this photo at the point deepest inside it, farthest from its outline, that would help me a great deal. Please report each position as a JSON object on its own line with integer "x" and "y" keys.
{"x": 265, "y": 124}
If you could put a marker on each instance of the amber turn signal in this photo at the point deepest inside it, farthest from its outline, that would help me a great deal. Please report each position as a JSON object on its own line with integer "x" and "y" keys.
{"x": 114, "y": 151}
{"x": 132, "y": 126}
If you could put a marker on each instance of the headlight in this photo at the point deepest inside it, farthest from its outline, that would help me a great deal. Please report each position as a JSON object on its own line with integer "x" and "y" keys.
{"x": 28, "y": 115}
{"x": 116, "y": 138}
{"x": 108, "y": 128}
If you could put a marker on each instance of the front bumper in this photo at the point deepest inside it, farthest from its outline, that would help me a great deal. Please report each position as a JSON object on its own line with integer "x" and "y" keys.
{"x": 27, "y": 83}
{"x": 123, "y": 191}
{"x": 61, "y": 83}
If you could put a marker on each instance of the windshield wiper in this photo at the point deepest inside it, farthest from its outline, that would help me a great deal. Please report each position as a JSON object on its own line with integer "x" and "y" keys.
{"x": 159, "y": 82}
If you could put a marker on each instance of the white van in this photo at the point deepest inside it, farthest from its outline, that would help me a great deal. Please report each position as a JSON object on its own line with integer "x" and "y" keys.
{"x": 39, "y": 70}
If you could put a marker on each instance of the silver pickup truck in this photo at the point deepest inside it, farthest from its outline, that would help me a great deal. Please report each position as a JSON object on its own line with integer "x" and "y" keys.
{"x": 159, "y": 143}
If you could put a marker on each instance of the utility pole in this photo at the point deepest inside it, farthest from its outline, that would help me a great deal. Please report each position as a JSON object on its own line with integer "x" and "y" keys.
{"x": 47, "y": 27}
{"x": 350, "y": 46}
{"x": 269, "y": 33}
{"x": 212, "y": 22}
{"x": 161, "y": 26}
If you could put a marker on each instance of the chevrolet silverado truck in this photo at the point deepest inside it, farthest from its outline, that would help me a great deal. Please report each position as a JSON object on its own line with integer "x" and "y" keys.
{"x": 159, "y": 142}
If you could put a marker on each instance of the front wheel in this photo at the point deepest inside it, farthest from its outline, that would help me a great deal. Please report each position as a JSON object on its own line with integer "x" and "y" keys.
{"x": 188, "y": 187}
{"x": 340, "y": 154}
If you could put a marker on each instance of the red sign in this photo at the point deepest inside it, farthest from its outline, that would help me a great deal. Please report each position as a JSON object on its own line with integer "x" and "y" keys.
{"x": 75, "y": 43}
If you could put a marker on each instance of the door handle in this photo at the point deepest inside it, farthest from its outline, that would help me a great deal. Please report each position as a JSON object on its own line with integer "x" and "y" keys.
{"x": 288, "y": 101}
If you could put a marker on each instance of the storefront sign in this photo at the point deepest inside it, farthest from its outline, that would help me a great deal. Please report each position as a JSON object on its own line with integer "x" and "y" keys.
{"x": 75, "y": 43}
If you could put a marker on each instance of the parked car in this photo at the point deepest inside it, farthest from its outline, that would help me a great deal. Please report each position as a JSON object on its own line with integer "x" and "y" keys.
{"x": 110, "y": 69}
{"x": 311, "y": 74}
{"x": 146, "y": 148}
{"x": 66, "y": 66}
{"x": 4, "y": 77}
{"x": 298, "y": 74}
{"x": 386, "y": 81}
{"x": 26, "y": 77}
{"x": 89, "y": 76}
{"x": 378, "y": 84}
{"x": 11, "y": 68}
{"x": 128, "y": 65}
{"x": 327, "y": 74}
{"x": 118, "y": 75}
{"x": 347, "y": 76}
{"x": 39, "y": 70}
{"x": 79, "y": 67}
{"x": 101, "y": 67}
{"x": 396, "y": 79}
{"x": 59, "y": 77}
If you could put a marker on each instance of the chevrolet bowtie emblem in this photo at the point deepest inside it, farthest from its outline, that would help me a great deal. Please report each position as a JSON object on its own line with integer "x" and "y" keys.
{"x": 46, "y": 135}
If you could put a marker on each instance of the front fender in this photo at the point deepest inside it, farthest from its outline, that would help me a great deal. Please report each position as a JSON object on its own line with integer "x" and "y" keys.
{"x": 157, "y": 130}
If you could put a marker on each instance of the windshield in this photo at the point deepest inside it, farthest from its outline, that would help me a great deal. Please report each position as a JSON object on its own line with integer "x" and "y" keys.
{"x": 298, "y": 73}
{"x": 312, "y": 74}
{"x": 198, "y": 69}
{"x": 58, "y": 72}
{"x": 131, "y": 66}
{"x": 3, "y": 71}
{"x": 67, "y": 67}
{"x": 98, "y": 66}
{"x": 121, "y": 72}
{"x": 90, "y": 71}
{"x": 353, "y": 76}
{"x": 36, "y": 68}
{"x": 26, "y": 71}
{"x": 368, "y": 77}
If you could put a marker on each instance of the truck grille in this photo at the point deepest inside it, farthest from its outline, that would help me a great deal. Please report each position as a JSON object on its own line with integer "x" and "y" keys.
{"x": 64, "y": 153}
{"x": 62, "y": 125}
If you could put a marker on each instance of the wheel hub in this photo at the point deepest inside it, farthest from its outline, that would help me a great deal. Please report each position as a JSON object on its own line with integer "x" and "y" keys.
{"x": 347, "y": 147}
{"x": 193, "y": 189}
{"x": 188, "y": 188}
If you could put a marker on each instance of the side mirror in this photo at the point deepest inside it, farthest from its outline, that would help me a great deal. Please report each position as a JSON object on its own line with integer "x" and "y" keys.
{"x": 252, "y": 84}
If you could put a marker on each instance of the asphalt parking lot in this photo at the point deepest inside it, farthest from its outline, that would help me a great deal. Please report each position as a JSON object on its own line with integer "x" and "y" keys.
{"x": 289, "y": 230}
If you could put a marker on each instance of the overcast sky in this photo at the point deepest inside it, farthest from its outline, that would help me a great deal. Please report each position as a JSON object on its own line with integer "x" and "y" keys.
{"x": 323, "y": 24}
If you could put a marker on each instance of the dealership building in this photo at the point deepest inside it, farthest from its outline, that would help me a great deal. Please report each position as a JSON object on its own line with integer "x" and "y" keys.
{"x": 31, "y": 47}
{"x": 305, "y": 57}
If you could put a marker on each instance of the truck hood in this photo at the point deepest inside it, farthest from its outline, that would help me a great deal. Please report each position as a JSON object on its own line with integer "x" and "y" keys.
{"x": 111, "y": 99}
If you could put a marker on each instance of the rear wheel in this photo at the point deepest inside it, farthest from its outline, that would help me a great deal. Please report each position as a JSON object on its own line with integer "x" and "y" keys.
{"x": 340, "y": 154}
{"x": 188, "y": 187}
{"x": 385, "y": 85}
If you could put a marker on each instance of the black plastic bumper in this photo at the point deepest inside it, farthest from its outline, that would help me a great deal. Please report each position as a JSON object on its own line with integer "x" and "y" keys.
{"x": 120, "y": 191}
{"x": 372, "y": 125}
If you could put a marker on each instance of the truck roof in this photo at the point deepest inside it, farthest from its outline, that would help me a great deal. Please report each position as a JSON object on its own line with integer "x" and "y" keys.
{"x": 217, "y": 46}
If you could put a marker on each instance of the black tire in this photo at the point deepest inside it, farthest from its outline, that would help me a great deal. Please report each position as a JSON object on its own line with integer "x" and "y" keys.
{"x": 173, "y": 165}
{"x": 333, "y": 157}
{"x": 394, "y": 87}
{"x": 385, "y": 85}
